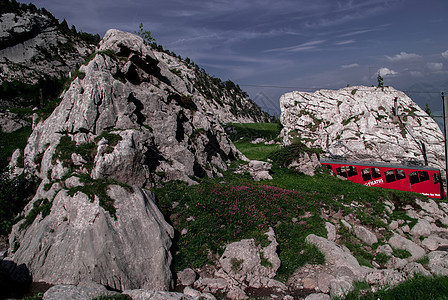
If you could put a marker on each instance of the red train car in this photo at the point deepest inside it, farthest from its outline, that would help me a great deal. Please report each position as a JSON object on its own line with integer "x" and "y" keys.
{"x": 423, "y": 180}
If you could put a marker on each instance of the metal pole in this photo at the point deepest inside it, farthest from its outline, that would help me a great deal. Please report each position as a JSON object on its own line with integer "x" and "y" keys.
{"x": 445, "y": 127}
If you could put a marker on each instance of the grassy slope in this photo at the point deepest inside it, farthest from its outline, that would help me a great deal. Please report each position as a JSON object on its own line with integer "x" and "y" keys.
{"x": 222, "y": 210}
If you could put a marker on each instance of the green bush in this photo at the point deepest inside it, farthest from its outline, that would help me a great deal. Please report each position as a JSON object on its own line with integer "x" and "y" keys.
{"x": 285, "y": 156}
{"x": 14, "y": 195}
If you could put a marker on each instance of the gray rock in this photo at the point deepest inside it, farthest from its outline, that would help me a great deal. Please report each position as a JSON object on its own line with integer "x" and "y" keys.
{"x": 331, "y": 231}
{"x": 10, "y": 122}
{"x": 385, "y": 277}
{"x": 187, "y": 276}
{"x": 340, "y": 287}
{"x": 270, "y": 252}
{"x": 71, "y": 292}
{"x": 386, "y": 249}
{"x": 399, "y": 242}
{"x": 323, "y": 282}
{"x": 259, "y": 170}
{"x": 422, "y": 228}
{"x": 430, "y": 243}
{"x": 242, "y": 261}
{"x": 431, "y": 207}
{"x": 365, "y": 235}
{"x": 32, "y": 40}
{"x": 140, "y": 294}
{"x": 306, "y": 164}
{"x": 346, "y": 224}
{"x": 236, "y": 293}
{"x": 413, "y": 268}
{"x": 318, "y": 296}
{"x": 438, "y": 263}
{"x": 393, "y": 225}
{"x": 80, "y": 241}
{"x": 335, "y": 255}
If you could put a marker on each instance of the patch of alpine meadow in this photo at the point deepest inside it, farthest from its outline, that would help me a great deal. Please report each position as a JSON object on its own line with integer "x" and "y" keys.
{"x": 213, "y": 214}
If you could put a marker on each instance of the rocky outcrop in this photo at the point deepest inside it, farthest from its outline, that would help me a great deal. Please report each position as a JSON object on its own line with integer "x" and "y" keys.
{"x": 358, "y": 123}
{"x": 34, "y": 45}
{"x": 166, "y": 129}
{"x": 80, "y": 241}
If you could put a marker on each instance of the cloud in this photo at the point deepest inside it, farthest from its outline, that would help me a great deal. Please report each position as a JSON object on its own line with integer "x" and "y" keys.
{"x": 403, "y": 56}
{"x": 445, "y": 54}
{"x": 386, "y": 72}
{"x": 301, "y": 47}
{"x": 416, "y": 73}
{"x": 435, "y": 66}
{"x": 351, "y": 66}
{"x": 345, "y": 42}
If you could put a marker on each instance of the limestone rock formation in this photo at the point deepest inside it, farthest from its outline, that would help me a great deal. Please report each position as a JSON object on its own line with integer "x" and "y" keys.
{"x": 80, "y": 241}
{"x": 165, "y": 129}
{"x": 34, "y": 45}
{"x": 358, "y": 123}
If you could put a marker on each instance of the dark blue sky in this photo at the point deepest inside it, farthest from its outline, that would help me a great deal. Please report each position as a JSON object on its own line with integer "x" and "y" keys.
{"x": 302, "y": 44}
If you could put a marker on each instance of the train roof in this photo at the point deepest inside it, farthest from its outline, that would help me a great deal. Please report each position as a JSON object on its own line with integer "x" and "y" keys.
{"x": 376, "y": 164}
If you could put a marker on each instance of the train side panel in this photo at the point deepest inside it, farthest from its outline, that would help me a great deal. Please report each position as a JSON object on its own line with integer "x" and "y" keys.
{"x": 426, "y": 182}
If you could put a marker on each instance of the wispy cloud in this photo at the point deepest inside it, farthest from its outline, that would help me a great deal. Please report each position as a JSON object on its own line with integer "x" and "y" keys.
{"x": 297, "y": 48}
{"x": 435, "y": 67}
{"x": 346, "y": 42}
{"x": 403, "y": 56}
{"x": 350, "y": 66}
{"x": 445, "y": 54}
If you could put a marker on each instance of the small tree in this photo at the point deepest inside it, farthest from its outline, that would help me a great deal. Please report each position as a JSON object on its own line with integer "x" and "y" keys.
{"x": 380, "y": 80}
{"x": 145, "y": 35}
{"x": 428, "y": 110}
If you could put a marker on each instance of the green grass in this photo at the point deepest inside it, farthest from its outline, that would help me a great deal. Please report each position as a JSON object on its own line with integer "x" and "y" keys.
{"x": 417, "y": 288}
{"x": 216, "y": 213}
{"x": 256, "y": 151}
{"x": 9, "y": 142}
{"x": 252, "y": 131}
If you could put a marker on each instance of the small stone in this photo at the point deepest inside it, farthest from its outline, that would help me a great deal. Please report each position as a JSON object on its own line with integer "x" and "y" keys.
{"x": 393, "y": 225}
{"x": 405, "y": 228}
{"x": 430, "y": 243}
{"x": 187, "y": 276}
{"x": 346, "y": 224}
{"x": 331, "y": 231}
{"x": 309, "y": 283}
{"x": 318, "y": 296}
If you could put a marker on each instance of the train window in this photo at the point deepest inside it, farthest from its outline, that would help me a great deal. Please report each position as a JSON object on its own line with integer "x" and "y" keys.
{"x": 366, "y": 174}
{"x": 413, "y": 178}
{"x": 399, "y": 174}
{"x": 424, "y": 176}
{"x": 390, "y": 176}
{"x": 375, "y": 173}
{"x": 351, "y": 171}
{"x": 341, "y": 172}
{"x": 436, "y": 178}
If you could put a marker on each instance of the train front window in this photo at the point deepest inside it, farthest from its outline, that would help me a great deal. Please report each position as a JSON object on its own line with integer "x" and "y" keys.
{"x": 390, "y": 176}
{"x": 375, "y": 173}
{"x": 399, "y": 174}
{"x": 436, "y": 178}
{"x": 413, "y": 178}
{"x": 424, "y": 176}
{"x": 341, "y": 172}
{"x": 366, "y": 174}
{"x": 351, "y": 171}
